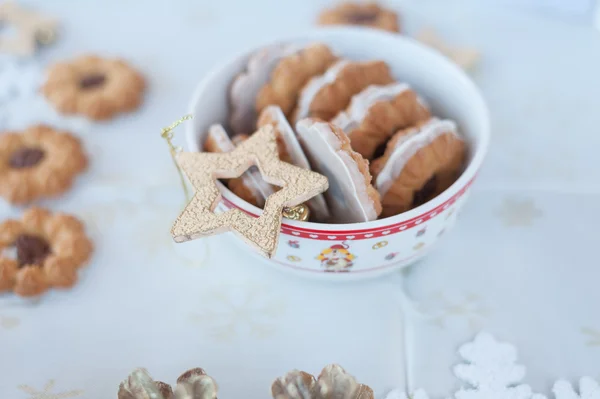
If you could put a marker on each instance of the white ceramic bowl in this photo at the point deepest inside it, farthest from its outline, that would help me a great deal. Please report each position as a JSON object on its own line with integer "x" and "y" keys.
{"x": 384, "y": 245}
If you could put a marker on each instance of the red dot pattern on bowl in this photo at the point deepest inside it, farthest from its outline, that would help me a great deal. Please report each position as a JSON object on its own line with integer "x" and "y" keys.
{"x": 324, "y": 235}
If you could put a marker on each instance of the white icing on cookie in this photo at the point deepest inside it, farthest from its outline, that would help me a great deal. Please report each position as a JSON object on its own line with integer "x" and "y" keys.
{"x": 360, "y": 104}
{"x": 317, "y": 204}
{"x": 314, "y": 85}
{"x": 259, "y": 184}
{"x": 292, "y": 146}
{"x": 221, "y": 139}
{"x": 259, "y": 188}
{"x": 247, "y": 84}
{"x": 347, "y": 195}
{"x": 408, "y": 146}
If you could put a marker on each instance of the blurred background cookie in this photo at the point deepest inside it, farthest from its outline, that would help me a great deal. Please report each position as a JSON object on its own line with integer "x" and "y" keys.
{"x": 362, "y": 14}
{"x": 39, "y": 162}
{"x": 93, "y": 86}
{"x": 41, "y": 251}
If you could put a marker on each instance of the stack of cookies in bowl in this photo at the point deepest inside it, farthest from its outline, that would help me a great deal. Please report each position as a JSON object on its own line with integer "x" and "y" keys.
{"x": 386, "y": 120}
{"x": 374, "y": 137}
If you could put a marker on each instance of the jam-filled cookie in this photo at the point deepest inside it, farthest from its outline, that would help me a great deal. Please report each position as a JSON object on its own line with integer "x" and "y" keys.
{"x": 362, "y": 14}
{"x": 274, "y": 76}
{"x": 93, "y": 86}
{"x": 290, "y": 151}
{"x": 38, "y": 162}
{"x": 250, "y": 186}
{"x": 291, "y": 74}
{"x": 350, "y": 196}
{"x": 41, "y": 251}
{"x": 326, "y": 95}
{"x": 418, "y": 164}
{"x": 247, "y": 85}
{"x": 376, "y": 113}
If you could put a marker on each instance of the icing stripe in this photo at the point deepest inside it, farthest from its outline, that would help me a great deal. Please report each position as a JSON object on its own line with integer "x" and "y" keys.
{"x": 361, "y": 103}
{"x": 407, "y": 147}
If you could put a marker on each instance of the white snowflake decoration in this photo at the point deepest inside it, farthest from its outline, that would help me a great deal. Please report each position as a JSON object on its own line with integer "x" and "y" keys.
{"x": 490, "y": 371}
{"x": 22, "y": 104}
{"x": 18, "y": 79}
{"x": 46, "y": 392}
{"x": 588, "y": 389}
{"x": 398, "y": 394}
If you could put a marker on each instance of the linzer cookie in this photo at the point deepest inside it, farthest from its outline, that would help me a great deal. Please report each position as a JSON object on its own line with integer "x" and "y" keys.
{"x": 362, "y": 14}
{"x": 38, "y": 163}
{"x": 41, "y": 251}
{"x": 291, "y": 74}
{"x": 290, "y": 151}
{"x": 249, "y": 83}
{"x": 351, "y": 197}
{"x": 325, "y": 96}
{"x": 249, "y": 187}
{"x": 418, "y": 164}
{"x": 376, "y": 113}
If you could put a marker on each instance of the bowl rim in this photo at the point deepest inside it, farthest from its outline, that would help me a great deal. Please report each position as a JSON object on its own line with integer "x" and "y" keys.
{"x": 454, "y": 191}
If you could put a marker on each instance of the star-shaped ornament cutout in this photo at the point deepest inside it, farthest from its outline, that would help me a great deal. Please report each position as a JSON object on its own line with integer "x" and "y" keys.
{"x": 202, "y": 169}
{"x": 31, "y": 30}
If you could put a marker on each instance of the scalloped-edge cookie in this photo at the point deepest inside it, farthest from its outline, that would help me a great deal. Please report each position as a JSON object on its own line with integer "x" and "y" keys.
{"x": 377, "y": 112}
{"x": 361, "y": 14}
{"x": 350, "y": 196}
{"x": 40, "y": 162}
{"x": 250, "y": 186}
{"x": 96, "y": 87}
{"x": 290, "y": 151}
{"x": 247, "y": 85}
{"x": 291, "y": 74}
{"x": 49, "y": 250}
{"x": 419, "y": 164}
{"x": 323, "y": 97}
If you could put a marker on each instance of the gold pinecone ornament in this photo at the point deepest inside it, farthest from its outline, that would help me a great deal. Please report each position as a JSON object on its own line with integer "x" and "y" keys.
{"x": 333, "y": 383}
{"x": 193, "y": 384}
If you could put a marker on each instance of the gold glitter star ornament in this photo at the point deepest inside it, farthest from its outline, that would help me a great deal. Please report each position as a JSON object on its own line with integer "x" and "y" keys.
{"x": 31, "y": 29}
{"x": 202, "y": 170}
